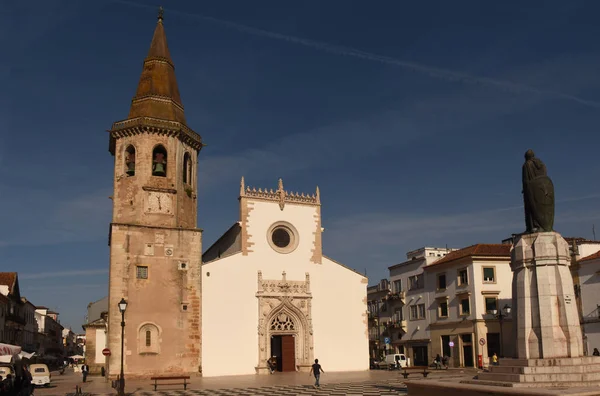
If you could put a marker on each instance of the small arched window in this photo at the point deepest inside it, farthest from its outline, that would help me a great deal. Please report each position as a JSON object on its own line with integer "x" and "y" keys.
{"x": 130, "y": 160}
{"x": 187, "y": 169}
{"x": 159, "y": 161}
{"x": 148, "y": 338}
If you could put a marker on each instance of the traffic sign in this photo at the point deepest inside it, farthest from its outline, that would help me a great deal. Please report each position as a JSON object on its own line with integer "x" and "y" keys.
{"x": 451, "y": 344}
{"x": 106, "y": 352}
{"x": 386, "y": 340}
{"x": 482, "y": 341}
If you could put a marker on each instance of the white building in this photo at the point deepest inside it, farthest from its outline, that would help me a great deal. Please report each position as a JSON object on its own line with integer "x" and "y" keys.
{"x": 267, "y": 289}
{"x": 409, "y": 302}
{"x": 589, "y": 280}
{"x": 467, "y": 289}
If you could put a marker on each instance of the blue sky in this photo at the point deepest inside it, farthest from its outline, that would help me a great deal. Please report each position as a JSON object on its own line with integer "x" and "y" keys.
{"x": 412, "y": 117}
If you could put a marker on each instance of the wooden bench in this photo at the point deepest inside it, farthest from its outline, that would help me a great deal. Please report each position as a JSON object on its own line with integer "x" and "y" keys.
{"x": 405, "y": 370}
{"x": 184, "y": 383}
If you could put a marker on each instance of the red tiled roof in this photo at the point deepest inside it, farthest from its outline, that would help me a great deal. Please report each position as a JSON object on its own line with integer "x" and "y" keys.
{"x": 481, "y": 250}
{"x": 8, "y": 279}
{"x": 591, "y": 257}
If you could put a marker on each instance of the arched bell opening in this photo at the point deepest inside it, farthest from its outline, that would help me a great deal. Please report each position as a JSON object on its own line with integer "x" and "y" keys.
{"x": 159, "y": 161}
{"x": 130, "y": 160}
{"x": 187, "y": 169}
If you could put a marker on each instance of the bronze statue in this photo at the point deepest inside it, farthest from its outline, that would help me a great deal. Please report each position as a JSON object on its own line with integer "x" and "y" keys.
{"x": 538, "y": 195}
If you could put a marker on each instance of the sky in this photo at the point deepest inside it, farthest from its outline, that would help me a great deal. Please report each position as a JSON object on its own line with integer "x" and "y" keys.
{"x": 411, "y": 117}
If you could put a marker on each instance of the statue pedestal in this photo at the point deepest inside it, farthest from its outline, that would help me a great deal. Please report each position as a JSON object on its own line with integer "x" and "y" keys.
{"x": 549, "y": 347}
{"x": 544, "y": 308}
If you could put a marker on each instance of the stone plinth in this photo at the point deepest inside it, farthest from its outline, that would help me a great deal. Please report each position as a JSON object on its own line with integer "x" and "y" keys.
{"x": 544, "y": 308}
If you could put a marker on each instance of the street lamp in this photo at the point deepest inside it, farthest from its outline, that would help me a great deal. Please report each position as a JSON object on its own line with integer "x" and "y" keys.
{"x": 501, "y": 317}
{"x": 122, "y": 308}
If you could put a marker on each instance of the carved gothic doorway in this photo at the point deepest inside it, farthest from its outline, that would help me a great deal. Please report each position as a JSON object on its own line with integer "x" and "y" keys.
{"x": 285, "y": 324}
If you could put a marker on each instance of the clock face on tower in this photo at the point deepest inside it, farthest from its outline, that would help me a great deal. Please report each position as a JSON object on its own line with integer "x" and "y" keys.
{"x": 157, "y": 202}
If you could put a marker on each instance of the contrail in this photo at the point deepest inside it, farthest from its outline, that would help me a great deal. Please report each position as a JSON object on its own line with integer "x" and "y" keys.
{"x": 442, "y": 74}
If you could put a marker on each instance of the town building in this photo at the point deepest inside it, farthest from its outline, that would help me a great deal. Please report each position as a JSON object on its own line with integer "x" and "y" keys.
{"x": 468, "y": 291}
{"x": 288, "y": 297}
{"x": 589, "y": 280}
{"x": 69, "y": 345}
{"x": 4, "y": 304}
{"x": 267, "y": 274}
{"x": 14, "y": 321}
{"x": 409, "y": 304}
{"x": 30, "y": 331}
{"x": 379, "y": 319}
{"x": 49, "y": 332}
{"x": 96, "y": 329}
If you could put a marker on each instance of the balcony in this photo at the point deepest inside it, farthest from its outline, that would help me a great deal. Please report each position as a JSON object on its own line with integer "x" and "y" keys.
{"x": 397, "y": 324}
{"x": 11, "y": 317}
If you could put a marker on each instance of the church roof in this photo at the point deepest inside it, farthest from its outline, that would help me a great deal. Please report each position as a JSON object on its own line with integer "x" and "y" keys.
{"x": 157, "y": 93}
{"x": 478, "y": 250}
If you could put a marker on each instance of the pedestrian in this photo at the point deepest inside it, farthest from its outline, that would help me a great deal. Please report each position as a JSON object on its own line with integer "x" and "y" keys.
{"x": 26, "y": 386}
{"x": 85, "y": 369}
{"x": 317, "y": 370}
{"x": 272, "y": 363}
{"x": 495, "y": 359}
{"x": 596, "y": 352}
{"x": 445, "y": 361}
{"x": 438, "y": 362}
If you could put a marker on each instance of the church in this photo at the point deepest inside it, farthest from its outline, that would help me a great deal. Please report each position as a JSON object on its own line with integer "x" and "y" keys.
{"x": 263, "y": 289}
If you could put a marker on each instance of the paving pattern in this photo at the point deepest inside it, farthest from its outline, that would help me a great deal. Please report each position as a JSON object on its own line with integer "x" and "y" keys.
{"x": 379, "y": 388}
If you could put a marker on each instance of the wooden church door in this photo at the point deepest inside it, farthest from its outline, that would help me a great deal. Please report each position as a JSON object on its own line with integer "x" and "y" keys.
{"x": 288, "y": 353}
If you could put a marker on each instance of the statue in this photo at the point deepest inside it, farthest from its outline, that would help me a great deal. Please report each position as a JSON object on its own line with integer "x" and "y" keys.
{"x": 538, "y": 195}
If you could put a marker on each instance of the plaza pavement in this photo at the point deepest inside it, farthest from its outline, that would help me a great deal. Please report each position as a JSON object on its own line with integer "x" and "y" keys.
{"x": 373, "y": 382}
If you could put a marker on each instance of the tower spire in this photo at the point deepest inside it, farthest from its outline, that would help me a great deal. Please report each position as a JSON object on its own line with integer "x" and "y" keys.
{"x": 157, "y": 94}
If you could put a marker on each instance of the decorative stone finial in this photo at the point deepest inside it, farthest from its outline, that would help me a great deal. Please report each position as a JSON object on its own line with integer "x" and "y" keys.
{"x": 281, "y": 193}
{"x": 161, "y": 11}
{"x": 242, "y": 186}
{"x": 318, "y": 195}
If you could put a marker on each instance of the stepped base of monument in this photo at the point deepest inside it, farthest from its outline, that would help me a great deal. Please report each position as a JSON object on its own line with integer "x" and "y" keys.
{"x": 543, "y": 373}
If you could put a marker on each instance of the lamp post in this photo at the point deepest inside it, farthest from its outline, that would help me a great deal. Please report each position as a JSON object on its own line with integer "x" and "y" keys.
{"x": 122, "y": 308}
{"x": 501, "y": 316}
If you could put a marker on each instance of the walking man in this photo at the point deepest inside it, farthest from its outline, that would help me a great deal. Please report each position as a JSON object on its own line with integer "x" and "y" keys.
{"x": 85, "y": 369}
{"x": 317, "y": 370}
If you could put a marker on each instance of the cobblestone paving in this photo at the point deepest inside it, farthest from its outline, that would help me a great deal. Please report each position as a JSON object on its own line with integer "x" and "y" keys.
{"x": 379, "y": 388}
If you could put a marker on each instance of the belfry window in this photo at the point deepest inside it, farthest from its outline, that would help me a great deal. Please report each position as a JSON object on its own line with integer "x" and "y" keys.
{"x": 130, "y": 161}
{"x": 159, "y": 161}
{"x": 187, "y": 169}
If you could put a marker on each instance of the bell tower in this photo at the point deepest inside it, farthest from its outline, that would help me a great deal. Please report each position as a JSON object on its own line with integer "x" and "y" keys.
{"x": 155, "y": 245}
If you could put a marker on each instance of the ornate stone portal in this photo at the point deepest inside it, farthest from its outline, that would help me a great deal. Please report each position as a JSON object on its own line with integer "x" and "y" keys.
{"x": 284, "y": 308}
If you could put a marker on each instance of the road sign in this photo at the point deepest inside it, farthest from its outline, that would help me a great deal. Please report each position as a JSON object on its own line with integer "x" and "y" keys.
{"x": 482, "y": 341}
{"x": 106, "y": 352}
{"x": 386, "y": 340}
{"x": 451, "y": 344}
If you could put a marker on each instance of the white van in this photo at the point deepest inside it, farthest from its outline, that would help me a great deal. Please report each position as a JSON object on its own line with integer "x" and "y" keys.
{"x": 40, "y": 374}
{"x": 395, "y": 361}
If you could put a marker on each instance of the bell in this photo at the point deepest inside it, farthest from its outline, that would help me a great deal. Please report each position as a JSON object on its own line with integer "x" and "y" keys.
{"x": 131, "y": 168}
{"x": 159, "y": 169}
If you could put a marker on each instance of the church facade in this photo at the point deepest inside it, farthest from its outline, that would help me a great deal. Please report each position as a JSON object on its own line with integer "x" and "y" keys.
{"x": 268, "y": 290}
{"x": 264, "y": 289}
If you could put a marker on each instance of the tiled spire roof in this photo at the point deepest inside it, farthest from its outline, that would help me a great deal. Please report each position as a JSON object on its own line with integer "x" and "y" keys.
{"x": 157, "y": 94}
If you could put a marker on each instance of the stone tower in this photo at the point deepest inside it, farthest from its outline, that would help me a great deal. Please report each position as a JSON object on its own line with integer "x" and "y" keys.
{"x": 155, "y": 245}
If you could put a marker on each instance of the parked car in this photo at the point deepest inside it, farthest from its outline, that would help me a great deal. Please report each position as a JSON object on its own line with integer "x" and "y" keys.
{"x": 40, "y": 374}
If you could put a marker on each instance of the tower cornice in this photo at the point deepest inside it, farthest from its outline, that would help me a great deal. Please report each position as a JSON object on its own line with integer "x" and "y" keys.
{"x": 141, "y": 125}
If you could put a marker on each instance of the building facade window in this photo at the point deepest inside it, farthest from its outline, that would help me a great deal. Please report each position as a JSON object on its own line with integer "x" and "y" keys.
{"x": 465, "y": 306}
{"x": 148, "y": 339}
{"x": 489, "y": 275}
{"x": 187, "y": 169}
{"x": 141, "y": 272}
{"x": 397, "y": 285}
{"x": 416, "y": 282}
{"x": 413, "y": 312}
{"x": 421, "y": 311}
{"x": 463, "y": 277}
{"x": 441, "y": 282}
{"x": 398, "y": 316}
{"x": 443, "y": 309}
{"x": 491, "y": 304}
